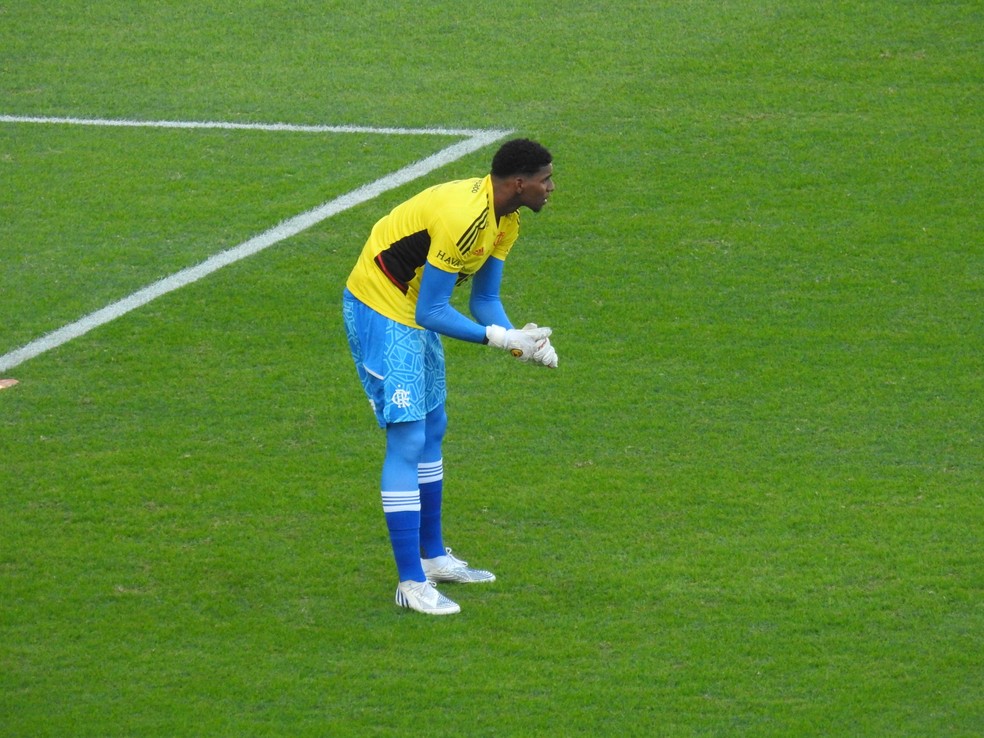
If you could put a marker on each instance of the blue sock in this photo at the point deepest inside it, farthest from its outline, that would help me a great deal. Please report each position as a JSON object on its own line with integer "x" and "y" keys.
{"x": 401, "y": 495}
{"x": 431, "y": 479}
{"x": 402, "y": 510}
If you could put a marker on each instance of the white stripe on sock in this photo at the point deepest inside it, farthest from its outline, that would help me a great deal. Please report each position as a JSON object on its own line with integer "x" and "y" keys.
{"x": 408, "y": 501}
{"x": 432, "y": 471}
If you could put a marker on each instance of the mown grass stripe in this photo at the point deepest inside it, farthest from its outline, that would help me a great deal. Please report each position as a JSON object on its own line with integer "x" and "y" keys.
{"x": 290, "y": 227}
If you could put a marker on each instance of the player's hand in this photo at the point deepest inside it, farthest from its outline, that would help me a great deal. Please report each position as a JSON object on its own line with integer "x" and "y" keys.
{"x": 545, "y": 353}
{"x": 521, "y": 343}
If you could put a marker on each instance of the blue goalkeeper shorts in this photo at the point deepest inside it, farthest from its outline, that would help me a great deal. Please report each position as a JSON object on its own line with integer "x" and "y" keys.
{"x": 400, "y": 368}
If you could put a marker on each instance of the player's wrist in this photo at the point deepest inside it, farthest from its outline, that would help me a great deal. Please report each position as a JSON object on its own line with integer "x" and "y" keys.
{"x": 495, "y": 335}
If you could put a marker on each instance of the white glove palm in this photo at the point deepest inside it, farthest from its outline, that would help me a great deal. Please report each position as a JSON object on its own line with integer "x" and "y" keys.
{"x": 521, "y": 343}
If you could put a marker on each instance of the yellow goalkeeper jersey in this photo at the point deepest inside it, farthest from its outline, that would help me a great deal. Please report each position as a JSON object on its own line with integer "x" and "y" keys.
{"x": 452, "y": 226}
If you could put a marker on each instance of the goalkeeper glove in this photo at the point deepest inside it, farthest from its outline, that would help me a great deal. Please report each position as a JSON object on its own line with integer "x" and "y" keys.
{"x": 520, "y": 343}
{"x": 545, "y": 353}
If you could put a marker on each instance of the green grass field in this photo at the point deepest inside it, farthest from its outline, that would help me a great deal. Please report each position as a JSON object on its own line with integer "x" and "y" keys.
{"x": 749, "y": 503}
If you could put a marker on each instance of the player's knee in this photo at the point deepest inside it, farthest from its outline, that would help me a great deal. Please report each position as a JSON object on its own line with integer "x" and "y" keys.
{"x": 437, "y": 425}
{"x": 406, "y": 440}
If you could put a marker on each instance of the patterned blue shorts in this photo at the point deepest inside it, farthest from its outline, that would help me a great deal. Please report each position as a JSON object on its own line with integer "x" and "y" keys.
{"x": 401, "y": 368}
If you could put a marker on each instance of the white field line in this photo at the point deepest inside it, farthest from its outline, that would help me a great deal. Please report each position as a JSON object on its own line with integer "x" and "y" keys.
{"x": 477, "y": 139}
{"x": 276, "y": 127}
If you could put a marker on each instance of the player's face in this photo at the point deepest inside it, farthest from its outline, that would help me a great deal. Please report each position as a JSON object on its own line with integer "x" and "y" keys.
{"x": 536, "y": 188}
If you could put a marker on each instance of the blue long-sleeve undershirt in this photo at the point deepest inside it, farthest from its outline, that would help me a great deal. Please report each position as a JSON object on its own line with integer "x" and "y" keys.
{"x": 485, "y": 303}
{"x": 434, "y": 310}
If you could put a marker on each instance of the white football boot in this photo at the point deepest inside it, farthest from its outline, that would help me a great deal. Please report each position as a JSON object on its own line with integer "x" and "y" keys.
{"x": 424, "y": 597}
{"x": 449, "y": 568}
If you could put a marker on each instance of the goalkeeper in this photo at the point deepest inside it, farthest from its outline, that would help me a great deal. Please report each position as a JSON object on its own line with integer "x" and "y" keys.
{"x": 396, "y": 306}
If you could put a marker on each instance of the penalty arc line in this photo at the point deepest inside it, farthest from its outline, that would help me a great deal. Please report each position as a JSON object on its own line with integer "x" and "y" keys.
{"x": 279, "y": 232}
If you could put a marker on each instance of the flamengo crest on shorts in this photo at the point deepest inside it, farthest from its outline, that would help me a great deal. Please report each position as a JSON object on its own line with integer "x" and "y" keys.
{"x": 401, "y": 398}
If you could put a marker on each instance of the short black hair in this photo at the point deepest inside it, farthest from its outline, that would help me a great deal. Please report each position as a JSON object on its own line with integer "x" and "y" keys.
{"x": 520, "y": 156}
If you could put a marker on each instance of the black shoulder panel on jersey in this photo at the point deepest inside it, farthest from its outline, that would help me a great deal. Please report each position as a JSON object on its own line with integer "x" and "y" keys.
{"x": 403, "y": 258}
